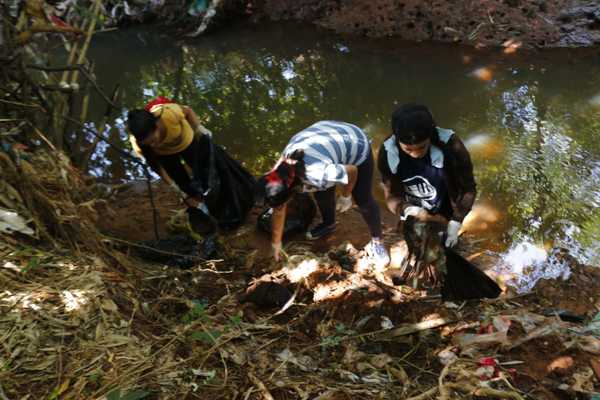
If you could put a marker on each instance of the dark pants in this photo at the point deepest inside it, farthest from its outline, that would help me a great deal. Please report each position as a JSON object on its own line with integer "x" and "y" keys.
{"x": 195, "y": 152}
{"x": 362, "y": 194}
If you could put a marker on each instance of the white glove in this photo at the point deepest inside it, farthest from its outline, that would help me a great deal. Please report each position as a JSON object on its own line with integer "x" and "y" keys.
{"x": 412, "y": 211}
{"x": 202, "y": 130}
{"x": 202, "y": 207}
{"x": 343, "y": 203}
{"x": 276, "y": 250}
{"x": 452, "y": 233}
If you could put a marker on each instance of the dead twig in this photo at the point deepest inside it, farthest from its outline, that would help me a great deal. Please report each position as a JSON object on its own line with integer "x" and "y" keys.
{"x": 425, "y": 395}
{"x": 261, "y": 386}
{"x": 2, "y": 394}
{"x": 419, "y": 326}
{"x": 444, "y": 393}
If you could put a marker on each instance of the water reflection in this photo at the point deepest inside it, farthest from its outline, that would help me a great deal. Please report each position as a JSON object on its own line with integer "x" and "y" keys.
{"x": 530, "y": 120}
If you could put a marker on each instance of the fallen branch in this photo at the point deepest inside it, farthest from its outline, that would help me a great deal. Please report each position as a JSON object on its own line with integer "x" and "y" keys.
{"x": 425, "y": 395}
{"x": 444, "y": 393}
{"x": 500, "y": 394}
{"x": 2, "y": 394}
{"x": 261, "y": 386}
{"x": 419, "y": 326}
{"x": 484, "y": 391}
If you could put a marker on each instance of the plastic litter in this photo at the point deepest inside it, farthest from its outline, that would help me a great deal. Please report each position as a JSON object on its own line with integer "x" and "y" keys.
{"x": 11, "y": 222}
{"x": 499, "y": 323}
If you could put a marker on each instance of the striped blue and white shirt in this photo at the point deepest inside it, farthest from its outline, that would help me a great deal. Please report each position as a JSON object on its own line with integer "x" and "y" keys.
{"x": 328, "y": 146}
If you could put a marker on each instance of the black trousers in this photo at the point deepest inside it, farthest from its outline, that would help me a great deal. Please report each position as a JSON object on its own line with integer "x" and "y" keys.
{"x": 362, "y": 194}
{"x": 197, "y": 151}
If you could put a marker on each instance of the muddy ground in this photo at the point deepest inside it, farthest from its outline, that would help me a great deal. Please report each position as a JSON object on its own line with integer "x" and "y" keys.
{"x": 544, "y": 367}
{"x": 509, "y": 23}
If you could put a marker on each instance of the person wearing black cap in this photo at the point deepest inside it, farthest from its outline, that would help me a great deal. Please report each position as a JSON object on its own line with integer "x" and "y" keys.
{"x": 317, "y": 159}
{"x": 426, "y": 171}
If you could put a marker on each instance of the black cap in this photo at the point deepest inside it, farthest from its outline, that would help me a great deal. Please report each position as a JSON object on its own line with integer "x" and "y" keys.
{"x": 413, "y": 123}
{"x": 141, "y": 123}
{"x": 277, "y": 186}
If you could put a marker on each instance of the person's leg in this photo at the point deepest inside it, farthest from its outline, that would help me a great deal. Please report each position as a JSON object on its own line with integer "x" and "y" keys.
{"x": 363, "y": 196}
{"x": 177, "y": 172}
{"x": 326, "y": 203}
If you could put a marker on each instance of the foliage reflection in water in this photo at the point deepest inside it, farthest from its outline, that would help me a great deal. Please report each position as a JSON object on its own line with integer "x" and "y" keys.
{"x": 529, "y": 119}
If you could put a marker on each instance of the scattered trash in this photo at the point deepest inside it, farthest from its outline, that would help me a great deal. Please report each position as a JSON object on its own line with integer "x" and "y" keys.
{"x": 447, "y": 356}
{"x": 498, "y": 330}
{"x": 11, "y": 222}
{"x": 386, "y": 323}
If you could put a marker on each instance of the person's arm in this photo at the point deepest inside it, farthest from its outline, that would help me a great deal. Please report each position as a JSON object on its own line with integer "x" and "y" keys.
{"x": 393, "y": 200}
{"x": 277, "y": 225}
{"x": 194, "y": 121}
{"x": 191, "y": 116}
{"x": 352, "y": 173}
{"x": 463, "y": 189}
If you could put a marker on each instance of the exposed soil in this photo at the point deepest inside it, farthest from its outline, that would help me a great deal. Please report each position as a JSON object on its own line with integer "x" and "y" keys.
{"x": 545, "y": 363}
{"x": 509, "y": 23}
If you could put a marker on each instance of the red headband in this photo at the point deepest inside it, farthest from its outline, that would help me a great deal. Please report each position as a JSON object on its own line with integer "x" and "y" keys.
{"x": 274, "y": 177}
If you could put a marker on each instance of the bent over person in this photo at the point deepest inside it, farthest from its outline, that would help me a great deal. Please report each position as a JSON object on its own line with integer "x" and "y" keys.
{"x": 218, "y": 190}
{"x": 427, "y": 171}
{"x": 319, "y": 158}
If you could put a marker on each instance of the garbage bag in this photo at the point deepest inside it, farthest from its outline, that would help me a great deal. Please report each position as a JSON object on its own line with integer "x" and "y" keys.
{"x": 301, "y": 211}
{"x": 227, "y": 187}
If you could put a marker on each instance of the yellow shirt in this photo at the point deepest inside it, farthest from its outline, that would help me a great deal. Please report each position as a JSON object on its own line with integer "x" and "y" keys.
{"x": 178, "y": 133}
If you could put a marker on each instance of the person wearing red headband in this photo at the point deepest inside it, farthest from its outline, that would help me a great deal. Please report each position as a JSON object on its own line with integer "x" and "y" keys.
{"x": 218, "y": 190}
{"x": 426, "y": 171}
{"x": 317, "y": 159}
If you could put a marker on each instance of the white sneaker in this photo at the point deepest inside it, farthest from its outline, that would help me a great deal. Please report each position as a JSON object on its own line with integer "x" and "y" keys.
{"x": 377, "y": 253}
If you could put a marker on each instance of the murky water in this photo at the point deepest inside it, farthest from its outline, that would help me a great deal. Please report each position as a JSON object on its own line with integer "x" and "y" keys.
{"x": 531, "y": 120}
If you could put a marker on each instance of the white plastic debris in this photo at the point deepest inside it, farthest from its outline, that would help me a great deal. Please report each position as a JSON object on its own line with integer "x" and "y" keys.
{"x": 386, "y": 323}
{"x": 11, "y": 222}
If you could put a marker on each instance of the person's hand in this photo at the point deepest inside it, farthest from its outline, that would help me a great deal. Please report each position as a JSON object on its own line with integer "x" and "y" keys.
{"x": 202, "y": 207}
{"x": 175, "y": 188}
{"x": 343, "y": 203}
{"x": 412, "y": 211}
{"x": 202, "y": 130}
{"x": 452, "y": 233}
{"x": 276, "y": 251}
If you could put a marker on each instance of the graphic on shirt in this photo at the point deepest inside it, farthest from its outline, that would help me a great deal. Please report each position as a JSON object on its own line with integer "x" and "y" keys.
{"x": 418, "y": 190}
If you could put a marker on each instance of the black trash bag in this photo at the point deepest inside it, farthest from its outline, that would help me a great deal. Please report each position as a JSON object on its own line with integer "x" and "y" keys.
{"x": 176, "y": 251}
{"x": 434, "y": 264}
{"x": 465, "y": 281}
{"x": 301, "y": 211}
{"x": 227, "y": 187}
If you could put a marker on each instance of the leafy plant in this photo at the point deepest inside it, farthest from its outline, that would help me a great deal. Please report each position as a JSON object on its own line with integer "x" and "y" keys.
{"x": 341, "y": 333}
{"x": 196, "y": 313}
{"x": 209, "y": 337}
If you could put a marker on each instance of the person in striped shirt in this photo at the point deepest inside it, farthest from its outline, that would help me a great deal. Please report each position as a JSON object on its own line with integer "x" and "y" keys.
{"x": 317, "y": 159}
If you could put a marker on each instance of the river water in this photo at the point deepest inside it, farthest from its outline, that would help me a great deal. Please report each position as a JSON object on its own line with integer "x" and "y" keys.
{"x": 531, "y": 120}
